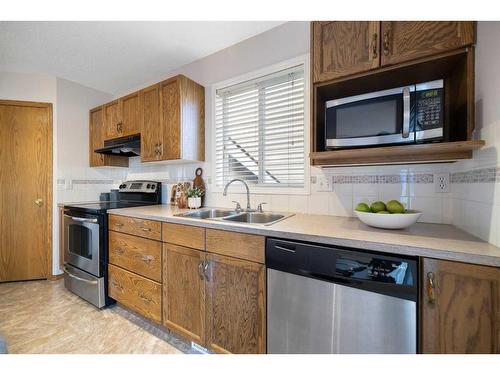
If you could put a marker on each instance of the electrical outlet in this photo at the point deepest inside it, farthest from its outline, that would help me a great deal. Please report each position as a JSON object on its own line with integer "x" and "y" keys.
{"x": 324, "y": 183}
{"x": 442, "y": 182}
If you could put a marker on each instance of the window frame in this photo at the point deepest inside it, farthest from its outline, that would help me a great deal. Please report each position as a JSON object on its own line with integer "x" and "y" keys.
{"x": 267, "y": 190}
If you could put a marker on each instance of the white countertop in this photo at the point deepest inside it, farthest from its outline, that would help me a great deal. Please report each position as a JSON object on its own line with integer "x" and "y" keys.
{"x": 441, "y": 241}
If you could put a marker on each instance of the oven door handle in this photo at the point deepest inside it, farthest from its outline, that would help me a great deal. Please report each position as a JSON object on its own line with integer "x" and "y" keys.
{"x": 79, "y": 278}
{"x": 81, "y": 219}
{"x": 406, "y": 112}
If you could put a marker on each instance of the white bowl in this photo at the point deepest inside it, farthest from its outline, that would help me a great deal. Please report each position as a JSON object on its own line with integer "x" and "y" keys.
{"x": 389, "y": 221}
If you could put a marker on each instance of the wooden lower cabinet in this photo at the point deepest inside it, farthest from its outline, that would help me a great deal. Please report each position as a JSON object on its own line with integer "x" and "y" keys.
{"x": 460, "y": 308}
{"x": 135, "y": 254}
{"x": 184, "y": 292}
{"x": 135, "y": 292}
{"x": 236, "y": 305}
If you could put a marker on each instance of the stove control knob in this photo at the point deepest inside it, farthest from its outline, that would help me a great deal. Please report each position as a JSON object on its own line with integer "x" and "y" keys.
{"x": 153, "y": 186}
{"x": 123, "y": 186}
{"x": 148, "y": 186}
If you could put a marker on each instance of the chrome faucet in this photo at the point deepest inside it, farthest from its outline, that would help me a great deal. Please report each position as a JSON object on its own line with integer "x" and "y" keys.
{"x": 249, "y": 209}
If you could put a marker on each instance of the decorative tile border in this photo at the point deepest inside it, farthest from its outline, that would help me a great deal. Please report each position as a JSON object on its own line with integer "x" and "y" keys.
{"x": 481, "y": 175}
{"x": 418, "y": 178}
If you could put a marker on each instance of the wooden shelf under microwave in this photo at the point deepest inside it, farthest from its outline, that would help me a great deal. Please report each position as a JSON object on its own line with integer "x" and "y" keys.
{"x": 417, "y": 153}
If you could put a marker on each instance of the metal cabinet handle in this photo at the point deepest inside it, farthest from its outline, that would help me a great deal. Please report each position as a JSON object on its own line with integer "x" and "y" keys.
{"x": 431, "y": 293}
{"x": 39, "y": 202}
{"x": 119, "y": 251}
{"x": 147, "y": 258}
{"x": 386, "y": 43}
{"x": 374, "y": 45}
{"x": 205, "y": 271}
{"x": 119, "y": 224}
{"x": 146, "y": 229}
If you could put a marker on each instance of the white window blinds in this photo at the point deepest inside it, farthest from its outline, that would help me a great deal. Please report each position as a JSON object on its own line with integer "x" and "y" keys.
{"x": 259, "y": 133}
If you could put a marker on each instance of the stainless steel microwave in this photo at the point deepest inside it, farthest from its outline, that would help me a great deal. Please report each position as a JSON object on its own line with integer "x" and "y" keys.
{"x": 407, "y": 114}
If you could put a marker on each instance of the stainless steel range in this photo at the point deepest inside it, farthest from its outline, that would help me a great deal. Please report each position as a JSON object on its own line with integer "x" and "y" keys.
{"x": 86, "y": 239}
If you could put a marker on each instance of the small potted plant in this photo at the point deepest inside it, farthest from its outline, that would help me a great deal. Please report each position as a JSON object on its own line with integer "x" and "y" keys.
{"x": 194, "y": 197}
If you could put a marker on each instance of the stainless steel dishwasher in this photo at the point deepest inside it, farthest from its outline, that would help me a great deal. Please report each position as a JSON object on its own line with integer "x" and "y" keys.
{"x": 324, "y": 299}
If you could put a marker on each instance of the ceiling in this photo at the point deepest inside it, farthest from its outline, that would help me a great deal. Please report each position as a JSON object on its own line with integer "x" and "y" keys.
{"x": 115, "y": 56}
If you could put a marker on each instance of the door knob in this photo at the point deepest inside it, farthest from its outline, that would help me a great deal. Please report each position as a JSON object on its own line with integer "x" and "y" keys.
{"x": 39, "y": 202}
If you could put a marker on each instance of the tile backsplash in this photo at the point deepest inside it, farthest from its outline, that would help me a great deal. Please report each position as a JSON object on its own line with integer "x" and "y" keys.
{"x": 412, "y": 185}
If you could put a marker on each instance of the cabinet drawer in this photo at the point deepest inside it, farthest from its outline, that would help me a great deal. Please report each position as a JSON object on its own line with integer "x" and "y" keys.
{"x": 138, "y": 227}
{"x": 184, "y": 235}
{"x": 239, "y": 245}
{"x": 135, "y": 292}
{"x": 136, "y": 254}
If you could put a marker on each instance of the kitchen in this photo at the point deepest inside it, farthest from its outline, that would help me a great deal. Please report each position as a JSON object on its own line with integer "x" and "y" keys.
{"x": 239, "y": 201}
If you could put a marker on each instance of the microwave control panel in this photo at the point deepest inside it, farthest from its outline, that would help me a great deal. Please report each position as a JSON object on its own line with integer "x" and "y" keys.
{"x": 430, "y": 105}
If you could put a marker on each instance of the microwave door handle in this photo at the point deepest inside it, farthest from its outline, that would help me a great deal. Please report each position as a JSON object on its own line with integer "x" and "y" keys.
{"x": 406, "y": 112}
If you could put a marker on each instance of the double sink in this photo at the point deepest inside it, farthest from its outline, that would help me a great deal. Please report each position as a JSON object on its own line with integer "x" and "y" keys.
{"x": 265, "y": 218}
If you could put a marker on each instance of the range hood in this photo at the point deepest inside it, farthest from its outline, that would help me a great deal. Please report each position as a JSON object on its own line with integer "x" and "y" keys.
{"x": 123, "y": 146}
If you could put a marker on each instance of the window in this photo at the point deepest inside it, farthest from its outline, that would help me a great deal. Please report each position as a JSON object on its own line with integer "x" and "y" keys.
{"x": 259, "y": 130}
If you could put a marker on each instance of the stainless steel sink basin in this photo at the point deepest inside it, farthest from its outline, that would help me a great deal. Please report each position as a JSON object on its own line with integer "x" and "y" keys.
{"x": 208, "y": 213}
{"x": 256, "y": 218}
{"x": 263, "y": 218}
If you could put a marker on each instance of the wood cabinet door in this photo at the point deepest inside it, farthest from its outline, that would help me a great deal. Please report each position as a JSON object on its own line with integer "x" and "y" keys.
{"x": 96, "y": 122}
{"x": 170, "y": 119}
{"x": 151, "y": 134}
{"x": 184, "y": 292}
{"x": 460, "y": 308}
{"x": 112, "y": 119}
{"x": 409, "y": 40}
{"x": 129, "y": 115}
{"x": 236, "y": 305}
{"x": 342, "y": 48}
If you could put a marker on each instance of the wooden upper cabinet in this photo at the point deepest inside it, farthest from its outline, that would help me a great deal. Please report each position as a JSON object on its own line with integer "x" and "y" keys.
{"x": 342, "y": 48}
{"x": 130, "y": 115}
{"x": 96, "y": 120}
{"x": 179, "y": 131}
{"x": 150, "y": 128}
{"x": 236, "y": 305}
{"x": 170, "y": 145}
{"x": 96, "y": 140}
{"x": 184, "y": 292}
{"x": 408, "y": 40}
{"x": 460, "y": 308}
{"x": 112, "y": 120}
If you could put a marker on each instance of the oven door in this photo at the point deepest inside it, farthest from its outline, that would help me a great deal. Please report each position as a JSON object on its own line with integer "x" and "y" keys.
{"x": 378, "y": 118}
{"x": 81, "y": 241}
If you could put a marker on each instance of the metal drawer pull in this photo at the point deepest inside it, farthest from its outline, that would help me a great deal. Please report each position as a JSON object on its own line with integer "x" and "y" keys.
{"x": 93, "y": 282}
{"x": 146, "y": 229}
{"x": 144, "y": 298}
{"x": 119, "y": 224}
{"x": 431, "y": 288}
{"x": 147, "y": 258}
{"x": 116, "y": 285}
{"x": 120, "y": 251}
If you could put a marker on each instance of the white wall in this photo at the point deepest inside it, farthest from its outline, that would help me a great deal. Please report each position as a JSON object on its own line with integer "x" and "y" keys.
{"x": 282, "y": 43}
{"x": 71, "y": 103}
{"x": 476, "y": 193}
